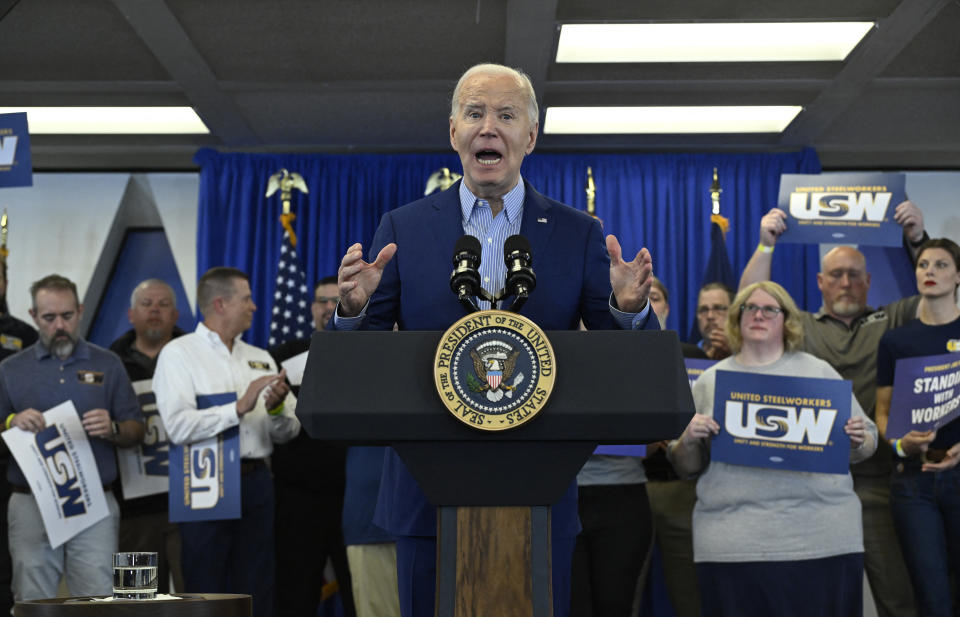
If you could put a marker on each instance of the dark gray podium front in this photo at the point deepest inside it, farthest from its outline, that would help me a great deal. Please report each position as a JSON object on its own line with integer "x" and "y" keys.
{"x": 493, "y": 489}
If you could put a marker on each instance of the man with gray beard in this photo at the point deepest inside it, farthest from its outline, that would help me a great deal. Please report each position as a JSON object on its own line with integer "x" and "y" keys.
{"x": 63, "y": 367}
{"x": 144, "y": 523}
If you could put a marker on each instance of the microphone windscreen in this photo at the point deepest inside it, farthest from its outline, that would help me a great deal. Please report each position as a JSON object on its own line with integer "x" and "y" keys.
{"x": 516, "y": 243}
{"x": 469, "y": 244}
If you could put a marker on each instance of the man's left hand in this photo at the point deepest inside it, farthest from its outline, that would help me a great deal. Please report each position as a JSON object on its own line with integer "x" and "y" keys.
{"x": 630, "y": 280}
{"x": 910, "y": 217}
{"x": 97, "y": 423}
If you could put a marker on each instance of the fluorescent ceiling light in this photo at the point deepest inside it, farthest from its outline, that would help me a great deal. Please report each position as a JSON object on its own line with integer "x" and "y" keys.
{"x": 710, "y": 42}
{"x": 630, "y": 120}
{"x": 110, "y": 120}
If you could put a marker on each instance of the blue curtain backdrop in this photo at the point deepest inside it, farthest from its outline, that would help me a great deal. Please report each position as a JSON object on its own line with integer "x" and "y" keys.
{"x": 660, "y": 201}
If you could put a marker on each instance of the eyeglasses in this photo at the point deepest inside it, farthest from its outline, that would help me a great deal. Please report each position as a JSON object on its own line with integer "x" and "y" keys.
{"x": 768, "y": 311}
{"x": 716, "y": 308}
{"x": 853, "y": 275}
{"x": 325, "y": 299}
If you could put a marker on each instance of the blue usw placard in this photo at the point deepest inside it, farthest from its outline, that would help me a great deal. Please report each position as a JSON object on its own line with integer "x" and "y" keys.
{"x": 793, "y": 423}
{"x": 695, "y": 367}
{"x": 841, "y": 208}
{"x": 926, "y": 394}
{"x": 205, "y": 475}
{"x": 16, "y": 168}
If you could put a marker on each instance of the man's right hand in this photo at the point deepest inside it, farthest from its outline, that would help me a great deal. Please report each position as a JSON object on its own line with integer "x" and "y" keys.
{"x": 248, "y": 401}
{"x": 772, "y": 225}
{"x": 29, "y": 420}
{"x": 357, "y": 279}
{"x": 716, "y": 345}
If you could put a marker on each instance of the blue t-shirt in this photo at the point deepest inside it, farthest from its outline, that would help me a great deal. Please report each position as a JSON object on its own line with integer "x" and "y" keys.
{"x": 91, "y": 377}
{"x": 911, "y": 340}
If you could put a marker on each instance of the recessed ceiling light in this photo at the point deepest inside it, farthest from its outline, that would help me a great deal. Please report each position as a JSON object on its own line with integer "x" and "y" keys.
{"x": 710, "y": 42}
{"x": 111, "y": 120}
{"x": 629, "y": 120}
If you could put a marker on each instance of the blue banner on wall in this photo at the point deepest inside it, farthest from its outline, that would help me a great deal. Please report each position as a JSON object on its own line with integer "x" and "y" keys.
{"x": 926, "y": 394}
{"x": 793, "y": 423}
{"x": 841, "y": 208}
{"x": 16, "y": 168}
{"x": 205, "y": 475}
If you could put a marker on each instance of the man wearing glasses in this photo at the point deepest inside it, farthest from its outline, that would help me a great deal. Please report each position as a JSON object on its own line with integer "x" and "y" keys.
{"x": 846, "y": 333}
{"x": 712, "y": 303}
{"x": 309, "y": 485}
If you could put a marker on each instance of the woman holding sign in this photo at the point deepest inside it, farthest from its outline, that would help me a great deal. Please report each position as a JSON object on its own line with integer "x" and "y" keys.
{"x": 925, "y": 490}
{"x": 772, "y": 541}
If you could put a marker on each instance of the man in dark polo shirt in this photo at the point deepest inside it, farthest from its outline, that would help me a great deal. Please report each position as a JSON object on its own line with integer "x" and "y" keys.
{"x": 62, "y": 367}
{"x": 308, "y": 478}
{"x": 144, "y": 521}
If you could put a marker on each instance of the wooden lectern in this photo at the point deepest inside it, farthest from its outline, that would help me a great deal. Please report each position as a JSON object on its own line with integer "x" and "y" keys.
{"x": 493, "y": 537}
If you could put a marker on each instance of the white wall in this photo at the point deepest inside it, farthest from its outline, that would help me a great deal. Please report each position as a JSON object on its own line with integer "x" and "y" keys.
{"x": 61, "y": 222}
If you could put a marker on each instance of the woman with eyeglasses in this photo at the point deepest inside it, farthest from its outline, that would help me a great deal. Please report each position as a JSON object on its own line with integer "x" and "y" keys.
{"x": 769, "y": 541}
{"x": 925, "y": 487}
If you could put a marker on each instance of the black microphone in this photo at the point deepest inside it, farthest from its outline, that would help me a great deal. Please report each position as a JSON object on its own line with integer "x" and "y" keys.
{"x": 520, "y": 277}
{"x": 465, "y": 278}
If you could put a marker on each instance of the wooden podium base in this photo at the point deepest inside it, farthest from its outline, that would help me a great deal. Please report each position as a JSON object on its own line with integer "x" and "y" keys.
{"x": 494, "y": 562}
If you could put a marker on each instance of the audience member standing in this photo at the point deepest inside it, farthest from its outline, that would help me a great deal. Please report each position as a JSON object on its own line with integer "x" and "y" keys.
{"x": 228, "y": 556}
{"x": 308, "y": 478}
{"x": 925, "y": 490}
{"x": 672, "y": 498}
{"x": 144, "y": 522}
{"x": 759, "y": 538}
{"x": 62, "y": 367}
{"x": 15, "y": 335}
{"x": 845, "y": 332}
{"x": 371, "y": 551}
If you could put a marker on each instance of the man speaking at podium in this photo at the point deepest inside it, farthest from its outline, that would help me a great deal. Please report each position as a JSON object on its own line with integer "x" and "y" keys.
{"x": 493, "y": 125}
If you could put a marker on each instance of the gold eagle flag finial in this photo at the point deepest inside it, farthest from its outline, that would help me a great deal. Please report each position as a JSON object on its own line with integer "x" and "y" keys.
{"x": 286, "y": 182}
{"x": 715, "y": 216}
{"x": 441, "y": 179}
{"x": 591, "y": 194}
{"x": 3, "y": 236}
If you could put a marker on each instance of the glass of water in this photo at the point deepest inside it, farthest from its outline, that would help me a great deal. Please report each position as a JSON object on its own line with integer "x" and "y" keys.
{"x": 134, "y": 576}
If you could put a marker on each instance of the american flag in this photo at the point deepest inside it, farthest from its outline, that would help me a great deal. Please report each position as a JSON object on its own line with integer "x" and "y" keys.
{"x": 291, "y": 299}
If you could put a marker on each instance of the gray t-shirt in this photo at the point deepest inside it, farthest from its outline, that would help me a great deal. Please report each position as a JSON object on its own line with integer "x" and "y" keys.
{"x": 602, "y": 469}
{"x": 756, "y": 514}
{"x": 852, "y": 351}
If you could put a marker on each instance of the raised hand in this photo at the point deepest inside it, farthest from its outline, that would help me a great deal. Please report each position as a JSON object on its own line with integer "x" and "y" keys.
{"x": 357, "y": 279}
{"x": 630, "y": 280}
{"x": 772, "y": 225}
{"x": 910, "y": 217}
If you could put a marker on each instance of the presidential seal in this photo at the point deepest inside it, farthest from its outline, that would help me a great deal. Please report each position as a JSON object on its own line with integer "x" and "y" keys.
{"x": 494, "y": 370}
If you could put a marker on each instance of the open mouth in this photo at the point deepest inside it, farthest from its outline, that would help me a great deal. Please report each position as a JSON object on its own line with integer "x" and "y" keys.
{"x": 488, "y": 157}
{"x": 929, "y": 283}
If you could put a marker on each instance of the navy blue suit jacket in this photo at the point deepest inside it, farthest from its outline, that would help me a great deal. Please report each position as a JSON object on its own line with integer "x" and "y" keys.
{"x": 573, "y": 283}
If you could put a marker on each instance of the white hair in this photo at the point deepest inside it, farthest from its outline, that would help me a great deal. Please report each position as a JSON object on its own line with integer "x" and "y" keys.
{"x": 533, "y": 111}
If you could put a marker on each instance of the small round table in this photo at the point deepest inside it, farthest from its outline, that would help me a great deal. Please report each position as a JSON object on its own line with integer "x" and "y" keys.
{"x": 189, "y": 605}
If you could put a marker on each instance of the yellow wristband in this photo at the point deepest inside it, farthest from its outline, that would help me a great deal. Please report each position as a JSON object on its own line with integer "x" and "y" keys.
{"x": 764, "y": 249}
{"x": 10, "y": 419}
{"x": 276, "y": 411}
{"x": 899, "y": 448}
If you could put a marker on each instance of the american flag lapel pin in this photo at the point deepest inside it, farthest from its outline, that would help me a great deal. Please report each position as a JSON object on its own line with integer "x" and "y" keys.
{"x": 541, "y": 220}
